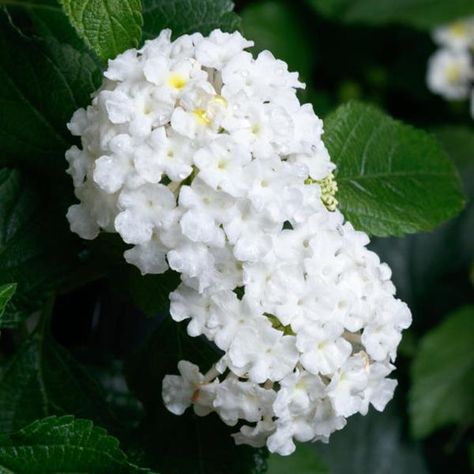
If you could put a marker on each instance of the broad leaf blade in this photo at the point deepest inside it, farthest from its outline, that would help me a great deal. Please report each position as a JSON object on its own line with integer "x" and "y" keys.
{"x": 109, "y": 27}
{"x": 35, "y": 251}
{"x": 443, "y": 375}
{"x": 53, "y": 445}
{"x": 188, "y": 16}
{"x": 42, "y": 379}
{"x": 393, "y": 179}
{"x": 42, "y": 82}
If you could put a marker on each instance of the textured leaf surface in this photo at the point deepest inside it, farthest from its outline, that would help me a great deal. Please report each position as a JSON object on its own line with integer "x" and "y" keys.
{"x": 65, "y": 445}
{"x": 424, "y": 14}
{"x": 42, "y": 82}
{"x": 393, "y": 179}
{"x": 109, "y": 27}
{"x": 188, "y": 16}
{"x": 6, "y": 292}
{"x": 187, "y": 443}
{"x": 443, "y": 375}
{"x": 42, "y": 379}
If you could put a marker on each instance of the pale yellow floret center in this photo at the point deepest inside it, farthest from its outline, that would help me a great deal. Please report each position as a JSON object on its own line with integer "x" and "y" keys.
{"x": 458, "y": 30}
{"x": 176, "y": 80}
{"x": 201, "y": 116}
{"x": 453, "y": 73}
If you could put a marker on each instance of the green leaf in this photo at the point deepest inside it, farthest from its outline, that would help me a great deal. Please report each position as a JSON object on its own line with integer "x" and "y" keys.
{"x": 48, "y": 20}
{"x": 188, "y": 16}
{"x": 147, "y": 292}
{"x": 188, "y": 443}
{"x": 277, "y": 26}
{"x": 303, "y": 461}
{"x": 6, "y": 292}
{"x": 36, "y": 251}
{"x": 109, "y": 27}
{"x": 53, "y": 445}
{"x": 42, "y": 82}
{"x": 443, "y": 375}
{"x": 373, "y": 444}
{"x": 151, "y": 292}
{"x": 393, "y": 179}
{"x": 425, "y": 14}
{"x": 458, "y": 142}
{"x": 42, "y": 379}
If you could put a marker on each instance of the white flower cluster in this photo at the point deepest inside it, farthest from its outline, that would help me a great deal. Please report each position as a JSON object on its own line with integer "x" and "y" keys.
{"x": 451, "y": 67}
{"x": 202, "y": 158}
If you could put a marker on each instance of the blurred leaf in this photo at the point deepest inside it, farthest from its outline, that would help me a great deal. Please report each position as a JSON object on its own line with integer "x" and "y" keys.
{"x": 150, "y": 292}
{"x": 53, "y": 445}
{"x": 42, "y": 82}
{"x": 277, "y": 26}
{"x": 303, "y": 461}
{"x": 393, "y": 179}
{"x": 35, "y": 251}
{"x": 6, "y": 292}
{"x": 372, "y": 444}
{"x": 42, "y": 379}
{"x": 147, "y": 292}
{"x": 471, "y": 455}
{"x": 459, "y": 143}
{"x": 188, "y": 16}
{"x": 425, "y": 14}
{"x": 109, "y": 27}
{"x": 188, "y": 443}
{"x": 48, "y": 19}
{"x": 443, "y": 375}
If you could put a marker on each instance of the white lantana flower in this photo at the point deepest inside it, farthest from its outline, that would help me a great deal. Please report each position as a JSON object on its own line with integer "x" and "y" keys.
{"x": 450, "y": 73}
{"x": 203, "y": 160}
{"x": 451, "y": 68}
{"x": 457, "y": 35}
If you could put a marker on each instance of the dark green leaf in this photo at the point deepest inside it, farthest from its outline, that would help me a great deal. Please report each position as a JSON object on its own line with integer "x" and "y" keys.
{"x": 277, "y": 26}
{"x": 373, "y": 444}
{"x": 147, "y": 292}
{"x": 61, "y": 445}
{"x": 303, "y": 461}
{"x": 188, "y": 16}
{"x": 150, "y": 292}
{"x": 6, "y": 292}
{"x": 35, "y": 251}
{"x": 443, "y": 375}
{"x": 424, "y": 14}
{"x": 109, "y": 27}
{"x": 42, "y": 82}
{"x": 42, "y": 379}
{"x": 48, "y": 20}
{"x": 182, "y": 444}
{"x": 393, "y": 179}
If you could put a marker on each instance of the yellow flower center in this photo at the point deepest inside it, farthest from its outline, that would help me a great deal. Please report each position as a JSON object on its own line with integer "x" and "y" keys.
{"x": 201, "y": 116}
{"x": 453, "y": 73}
{"x": 176, "y": 80}
{"x": 458, "y": 30}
